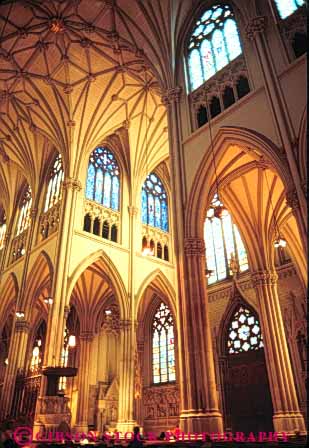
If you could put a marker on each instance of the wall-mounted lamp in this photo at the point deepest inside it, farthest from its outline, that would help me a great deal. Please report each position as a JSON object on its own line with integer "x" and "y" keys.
{"x": 20, "y": 314}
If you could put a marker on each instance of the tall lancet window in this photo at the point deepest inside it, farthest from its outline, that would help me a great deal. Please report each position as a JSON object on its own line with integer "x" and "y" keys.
{"x": 287, "y": 7}
{"x": 213, "y": 44}
{"x": 154, "y": 203}
{"x": 223, "y": 242}
{"x": 244, "y": 332}
{"x": 163, "y": 346}
{"x": 103, "y": 179}
{"x": 25, "y": 211}
{"x": 2, "y": 229}
{"x": 54, "y": 185}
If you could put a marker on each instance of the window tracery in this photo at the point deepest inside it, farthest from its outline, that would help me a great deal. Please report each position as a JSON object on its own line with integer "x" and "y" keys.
{"x": 213, "y": 44}
{"x": 103, "y": 179}
{"x": 24, "y": 213}
{"x": 244, "y": 332}
{"x": 223, "y": 242}
{"x": 163, "y": 346}
{"x": 288, "y": 7}
{"x": 54, "y": 192}
{"x": 154, "y": 203}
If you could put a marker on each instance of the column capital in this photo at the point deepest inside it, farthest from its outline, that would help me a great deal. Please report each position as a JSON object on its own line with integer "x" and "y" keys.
{"x": 264, "y": 278}
{"x": 132, "y": 210}
{"x": 72, "y": 183}
{"x": 292, "y": 199}
{"x": 86, "y": 336}
{"x": 194, "y": 246}
{"x": 125, "y": 324}
{"x": 255, "y": 26}
{"x": 171, "y": 96}
{"x": 22, "y": 326}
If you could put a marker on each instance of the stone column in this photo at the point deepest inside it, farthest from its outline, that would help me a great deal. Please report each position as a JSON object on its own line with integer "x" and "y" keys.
{"x": 256, "y": 31}
{"x": 287, "y": 416}
{"x": 200, "y": 409}
{"x": 126, "y": 420}
{"x": 55, "y": 328}
{"x": 83, "y": 382}
{"x": 16, "y": 363}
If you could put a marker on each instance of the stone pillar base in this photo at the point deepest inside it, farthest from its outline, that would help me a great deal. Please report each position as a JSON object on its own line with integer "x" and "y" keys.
{"x": 199, "y": 422}
{"x": 289, "y": 422}
{"x": 124, "y": 427}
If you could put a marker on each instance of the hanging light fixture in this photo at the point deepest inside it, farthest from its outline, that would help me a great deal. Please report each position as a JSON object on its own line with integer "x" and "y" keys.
{"x": 147, "y": 250}
{"x": 219, "y": 210}
{"x": 279, "y": 241}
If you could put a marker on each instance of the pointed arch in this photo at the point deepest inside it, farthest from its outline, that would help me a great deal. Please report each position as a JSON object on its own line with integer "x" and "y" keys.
{"x": 161, "y": 286}
{"x": 8, "y": 295}
{"x": 39, "y": 278}
{"x": 110, "y": 271}
{"x": 252, "y": 144}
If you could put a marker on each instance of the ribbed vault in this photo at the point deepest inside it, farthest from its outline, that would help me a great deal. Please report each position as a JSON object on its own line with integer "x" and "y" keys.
{"x": 75, "y": 74}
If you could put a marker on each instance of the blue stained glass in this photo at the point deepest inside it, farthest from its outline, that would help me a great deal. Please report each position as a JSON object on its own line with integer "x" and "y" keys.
{"x": 107, "y": 190}
{"x": 208, "y": 59}
{"x": 287, "y": 7}
{"x": 206, "y": 15}
{"x": 90, "y": 182}
{"x": 216, "y": 13}
{"x": 144, "y": 207}
{"x": 115, "y": 193}
{"x": 232, "y": 39}
{"x": 164, "y": 217}
{"x": 157, "y": 212}
{"x": 151, "y": 220}
{"x": 154, "y": 203}
{"x": 219, "y": 49}
{"x": 99, "y": 186}
{"x": 211, "y": 50}
{"x": 103, "y": 183}
{"x": 196, "y": 74}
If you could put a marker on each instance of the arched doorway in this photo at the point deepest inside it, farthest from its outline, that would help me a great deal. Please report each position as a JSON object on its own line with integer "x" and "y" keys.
{"x": 247, "y": 399}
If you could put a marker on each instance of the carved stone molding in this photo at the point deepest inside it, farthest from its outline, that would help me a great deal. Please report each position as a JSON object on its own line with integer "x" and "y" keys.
{"x": 71, "y": 182}
{"x": 161, "y": 402}
{"x": 132, "y": 210}
{"x": 257, "y": 25}
{"x": 292, "y": 199}
{"x": 171, "y": 96}
{"x": 264, "y": 278}
{"x": 86, "y": 336}
{"x": 22, "y": 326}
{"x": 194, "y": 246}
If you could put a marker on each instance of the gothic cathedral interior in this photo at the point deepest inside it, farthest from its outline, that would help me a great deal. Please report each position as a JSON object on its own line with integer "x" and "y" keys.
{"x": 153, "y": 231}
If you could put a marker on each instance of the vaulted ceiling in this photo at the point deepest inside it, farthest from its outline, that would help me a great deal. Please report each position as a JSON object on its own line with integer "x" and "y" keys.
{"x": 74, "y": 71}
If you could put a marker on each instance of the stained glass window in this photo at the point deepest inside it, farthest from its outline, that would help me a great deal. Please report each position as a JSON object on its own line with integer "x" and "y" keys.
{"x": 103, "y": 185}
{"x": 163, "y": 346}
{"x": 214, "y": 43}
{"x": 244, "y": 332}
{"x": 287, "y": 7}
{"x": 154, "y": 203}
{"x": 223, "y": 242}
{"x": 2, "y": 229}
{"x": 54, "y": 185}
{"x": 24, "y": 212}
